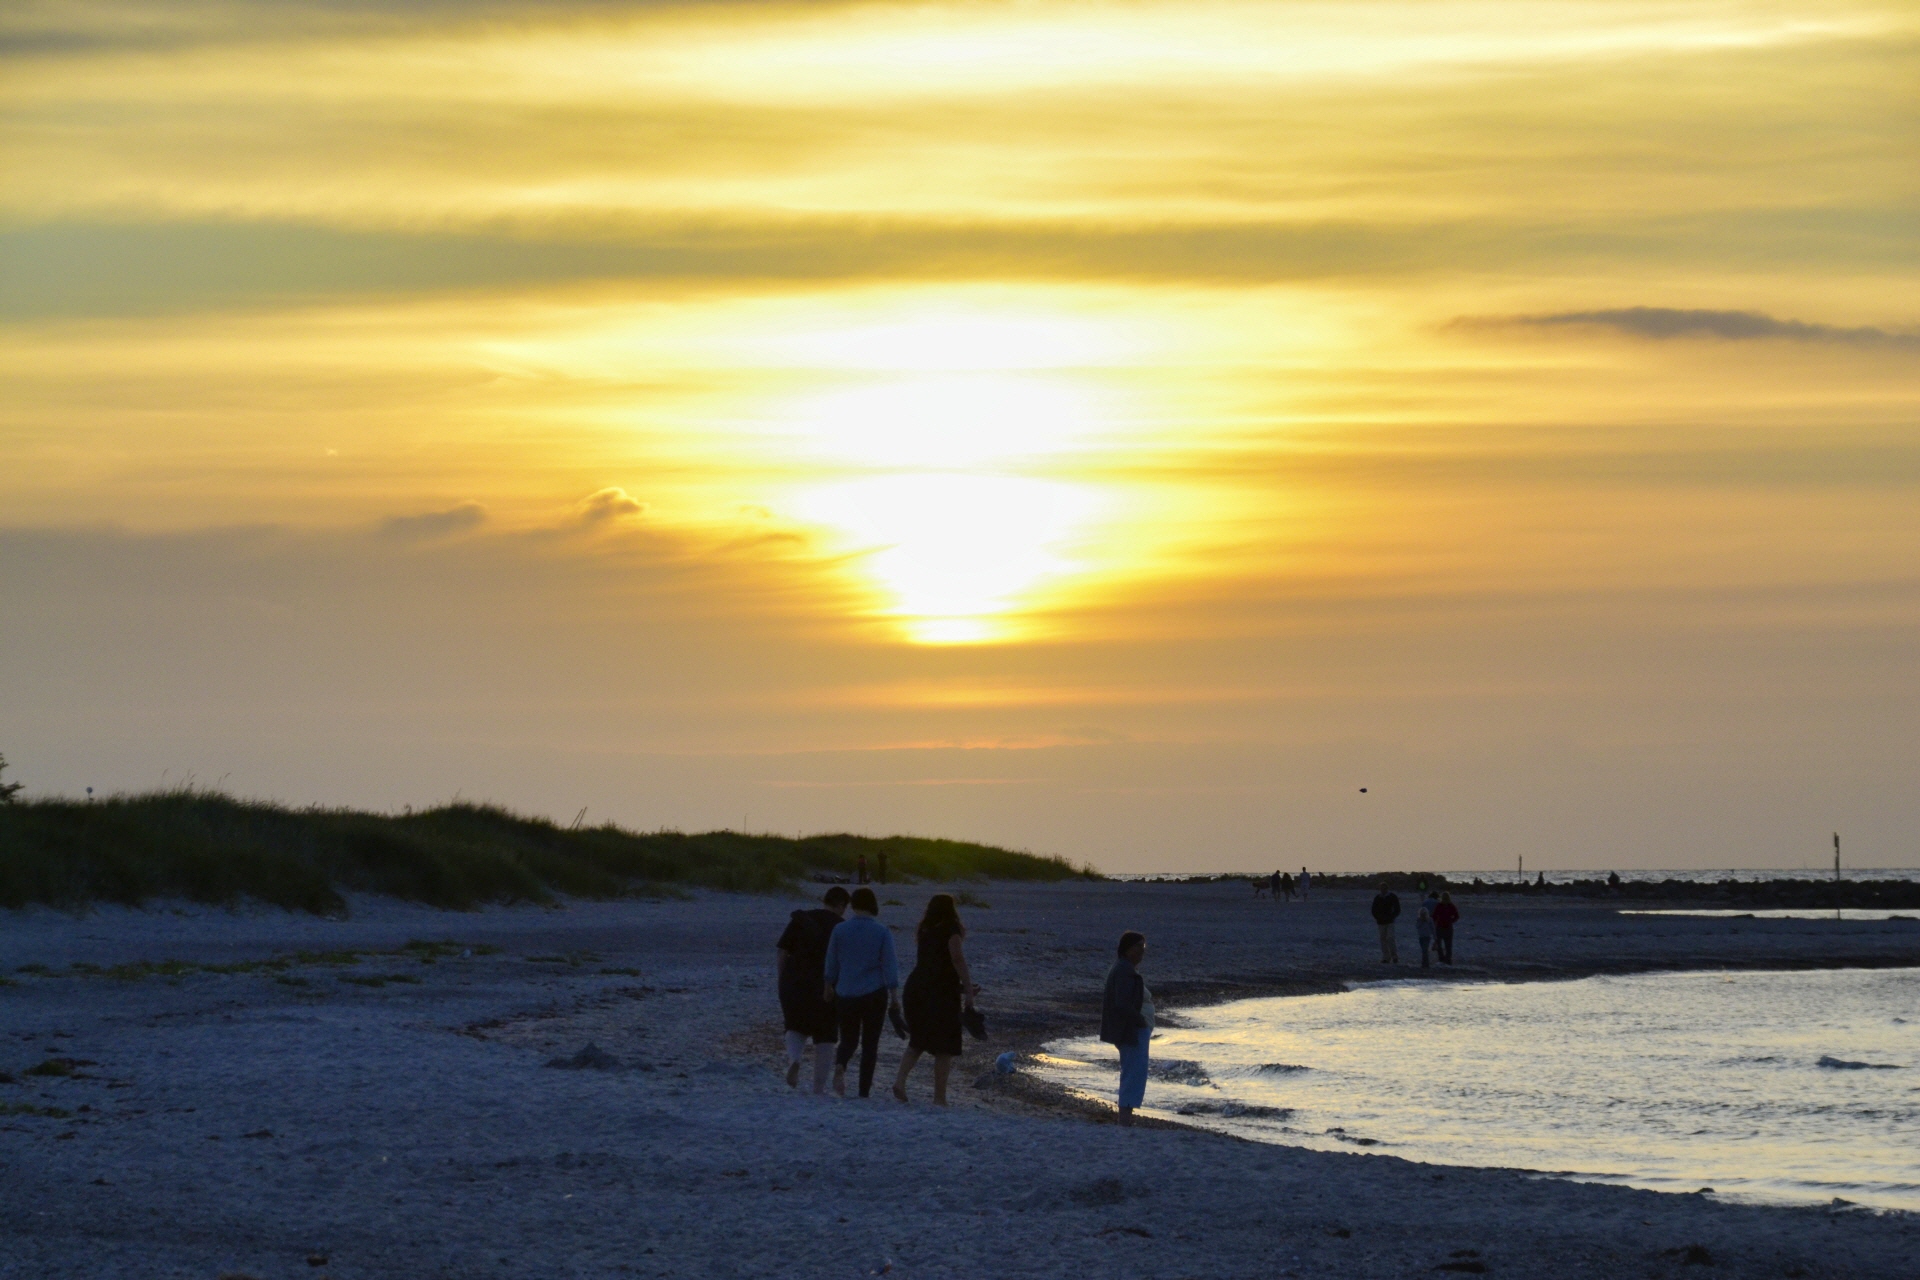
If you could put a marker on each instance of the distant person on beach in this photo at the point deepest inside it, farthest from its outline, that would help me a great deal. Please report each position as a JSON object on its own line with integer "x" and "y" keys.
{"x": 1306, "y": 881}
{"x": 1444, "y": 917}
{"x": 1386, "y": 909}
{"x": 1423, "y": 929}
{"x": 937, "y": 991}
{"x": 862, "y": 979}
{"x": 1126, "y": 1020}
{"x": 1273, "y": 886}
{"x": 1286, "y": 885}
{"x": 860, "y": 869}
{"x": 801, "y": 959}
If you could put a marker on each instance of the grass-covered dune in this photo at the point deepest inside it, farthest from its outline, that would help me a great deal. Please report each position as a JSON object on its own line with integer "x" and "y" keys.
{"x": 212, "y": 848}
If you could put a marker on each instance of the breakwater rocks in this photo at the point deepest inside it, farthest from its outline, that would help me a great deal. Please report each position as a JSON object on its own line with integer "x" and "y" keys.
{"x": 1812, "y": 894}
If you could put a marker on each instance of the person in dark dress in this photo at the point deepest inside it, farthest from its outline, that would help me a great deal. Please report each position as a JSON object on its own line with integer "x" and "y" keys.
{"x": 937, "y": 991}
{"x": 801, "y": 958}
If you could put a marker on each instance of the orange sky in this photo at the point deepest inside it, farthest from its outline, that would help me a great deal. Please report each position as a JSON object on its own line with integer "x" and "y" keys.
{"x": 1120, "y": 430}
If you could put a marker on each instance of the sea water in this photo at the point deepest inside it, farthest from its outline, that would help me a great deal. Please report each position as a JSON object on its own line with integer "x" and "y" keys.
{"x": 1801, "y": 1086}
{"x": 1792, "y": 913}
{"x": 1510, "y": 875}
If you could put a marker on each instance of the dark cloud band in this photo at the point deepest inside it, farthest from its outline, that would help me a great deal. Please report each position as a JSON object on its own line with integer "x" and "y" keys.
{"x": 137, "y": 268}
{"x": 1737, "y": 326}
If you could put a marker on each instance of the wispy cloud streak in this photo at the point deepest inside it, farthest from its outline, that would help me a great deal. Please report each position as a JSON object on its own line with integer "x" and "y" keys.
{"x": 1737, "y": 326}
{"x": 428, "y": 525}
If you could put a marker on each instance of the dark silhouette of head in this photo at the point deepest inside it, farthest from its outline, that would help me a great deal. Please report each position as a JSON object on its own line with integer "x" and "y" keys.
{"x": 864, "y": 901}
{"x": 835, "y": 898}
{"x": 1130, "y": 940}
{"x": 942, "y": 914}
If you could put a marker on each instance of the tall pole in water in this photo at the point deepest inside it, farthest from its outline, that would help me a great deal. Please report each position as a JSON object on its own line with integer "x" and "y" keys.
{"x": 1836, "y": 875}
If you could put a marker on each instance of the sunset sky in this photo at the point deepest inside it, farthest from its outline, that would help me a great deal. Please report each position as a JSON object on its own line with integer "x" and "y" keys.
{"x": 1122, "y": 430}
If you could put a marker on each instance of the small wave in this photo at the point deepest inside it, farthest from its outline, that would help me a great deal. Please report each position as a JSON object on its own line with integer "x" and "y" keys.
{"x": 1234, "y": 1111}
{"x": 1278, "y": 1068}
{"x": 1182, "y": 1071}
{"x": 1841, "y": 1064}
{"x": 1342, "y": 1135}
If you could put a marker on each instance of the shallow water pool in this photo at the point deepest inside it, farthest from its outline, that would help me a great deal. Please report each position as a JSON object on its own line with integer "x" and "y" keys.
{"x": 1800, "y": 1086}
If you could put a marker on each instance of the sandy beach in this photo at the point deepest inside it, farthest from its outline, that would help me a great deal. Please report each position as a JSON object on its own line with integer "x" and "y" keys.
{"x": 391, "y": 1113}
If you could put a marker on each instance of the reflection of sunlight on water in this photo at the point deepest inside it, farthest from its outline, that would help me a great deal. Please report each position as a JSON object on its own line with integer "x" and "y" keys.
{"x": 954, "y": 554}
{"x": 1795, "y": 1086}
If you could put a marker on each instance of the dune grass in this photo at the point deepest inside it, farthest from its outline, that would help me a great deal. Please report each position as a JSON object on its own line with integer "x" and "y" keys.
{"x": 209, "y": 847}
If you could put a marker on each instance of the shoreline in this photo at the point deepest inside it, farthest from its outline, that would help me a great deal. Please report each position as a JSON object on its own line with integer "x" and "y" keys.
{"x": 1172, "y": 999}
{"x": 414, "y": 1124}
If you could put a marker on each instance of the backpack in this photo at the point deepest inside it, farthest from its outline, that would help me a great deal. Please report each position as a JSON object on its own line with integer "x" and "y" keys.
{"x": 811, "y": 951}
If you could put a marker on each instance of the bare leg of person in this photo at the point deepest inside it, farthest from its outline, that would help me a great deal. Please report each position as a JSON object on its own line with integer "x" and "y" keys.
{"x": 822, "y": 1067}
{"x": 942, "y": 1068}
{"x": 796, "y": 1041}
{"x": 907, "y": 1061}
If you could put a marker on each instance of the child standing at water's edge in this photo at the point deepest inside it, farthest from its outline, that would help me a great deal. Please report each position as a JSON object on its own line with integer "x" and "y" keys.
{"x": 1126, "y": 1020}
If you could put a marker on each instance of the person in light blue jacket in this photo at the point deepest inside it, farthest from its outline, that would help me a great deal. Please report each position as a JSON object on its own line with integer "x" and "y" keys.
{"x": 863, "y": 981}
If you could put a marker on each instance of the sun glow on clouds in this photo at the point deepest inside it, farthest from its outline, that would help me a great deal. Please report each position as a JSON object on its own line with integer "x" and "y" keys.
{"x": 943, "y": 417}
{"x": 951, "y": 450}
{"x": 954, "y": 556}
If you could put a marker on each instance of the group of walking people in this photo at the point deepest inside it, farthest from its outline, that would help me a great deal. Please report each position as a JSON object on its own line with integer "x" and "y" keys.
{"x": 840, "y": 982}
{"x": 1433, "y": 925}
{"x": 1282, "y": 882}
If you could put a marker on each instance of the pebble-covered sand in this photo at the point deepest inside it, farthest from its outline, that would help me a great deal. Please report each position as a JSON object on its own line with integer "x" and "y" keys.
{"x": 391, "y": 1114}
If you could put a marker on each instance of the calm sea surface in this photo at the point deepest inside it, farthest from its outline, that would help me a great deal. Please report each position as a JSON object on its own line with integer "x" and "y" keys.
{"x": 1780, "y": 1086}
{"x": 1507, "y": 875}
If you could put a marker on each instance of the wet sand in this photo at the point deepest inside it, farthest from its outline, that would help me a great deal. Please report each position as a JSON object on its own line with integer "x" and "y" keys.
{"x": 390, "y": 1117}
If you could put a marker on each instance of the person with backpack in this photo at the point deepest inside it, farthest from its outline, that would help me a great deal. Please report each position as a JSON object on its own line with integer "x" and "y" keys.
{"x": 801, "y": 958}
{"x": 1444, "y": 917}
{"x": 862, "y": 978}
{"x": 1386, "y": 909}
